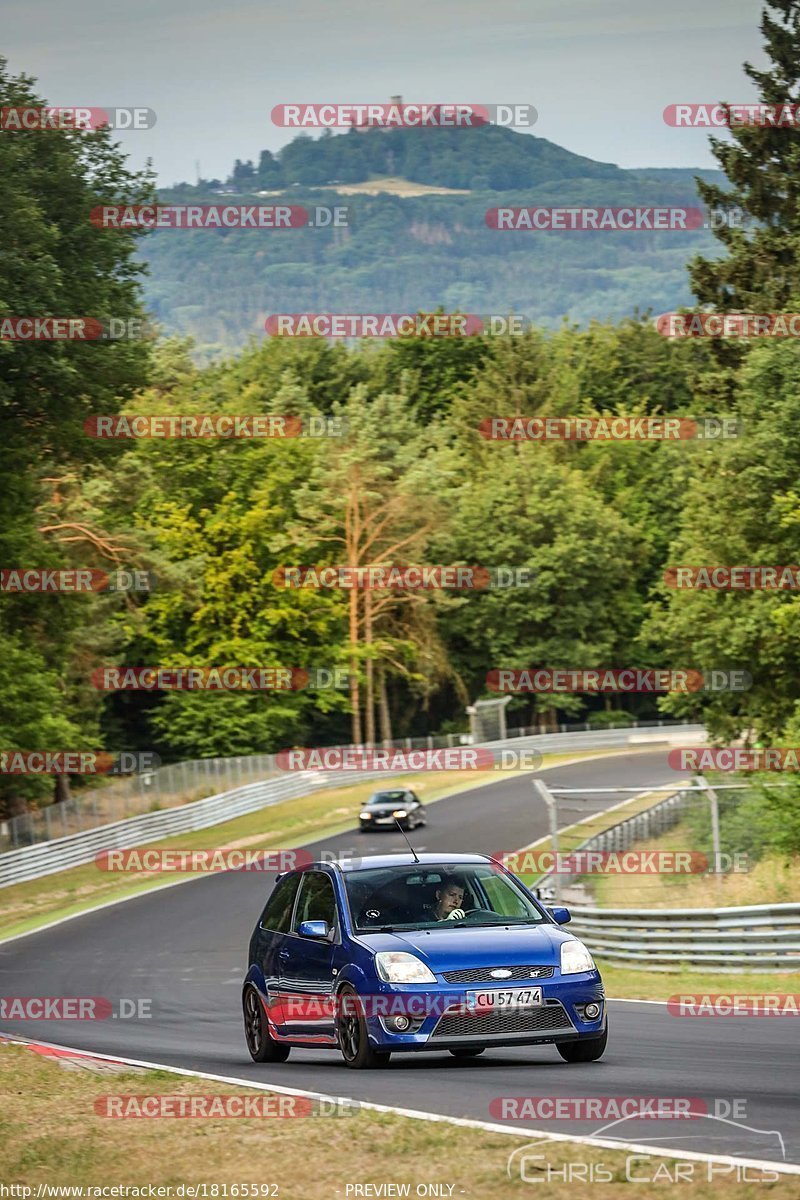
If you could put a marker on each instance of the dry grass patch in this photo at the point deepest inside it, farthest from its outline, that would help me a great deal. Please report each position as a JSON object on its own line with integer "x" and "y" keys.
{"x": 774, "y": 879}
{"x": 51, "y": 1134}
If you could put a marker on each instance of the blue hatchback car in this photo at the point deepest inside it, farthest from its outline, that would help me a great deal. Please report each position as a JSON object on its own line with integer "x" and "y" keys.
{"x": 401, "y": 953}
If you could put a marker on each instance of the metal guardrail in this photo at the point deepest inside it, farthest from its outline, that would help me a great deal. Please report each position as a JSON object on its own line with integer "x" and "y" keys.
{"x": 77, "y": 849}
{"x": 46, "y": 858}
{"x": 722, "y": 940}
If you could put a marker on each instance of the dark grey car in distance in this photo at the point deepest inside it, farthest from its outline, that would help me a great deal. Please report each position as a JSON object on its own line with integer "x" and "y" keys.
{"x": 385, "y": 809}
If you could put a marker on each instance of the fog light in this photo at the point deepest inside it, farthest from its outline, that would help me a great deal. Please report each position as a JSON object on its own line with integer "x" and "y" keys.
{"x": 591, "y": 1012}
{"x": 400, "y": 1023}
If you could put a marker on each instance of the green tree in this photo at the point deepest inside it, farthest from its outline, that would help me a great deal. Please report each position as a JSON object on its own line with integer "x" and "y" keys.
{"x": 742, "y": 508}
{"x": 54, "y": 262}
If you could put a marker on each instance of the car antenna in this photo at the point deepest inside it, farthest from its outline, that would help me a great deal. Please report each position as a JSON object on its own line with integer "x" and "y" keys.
{"x": 408, "y": 843}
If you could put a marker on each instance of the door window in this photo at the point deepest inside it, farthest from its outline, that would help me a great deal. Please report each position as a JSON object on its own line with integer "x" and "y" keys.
{"x": 277, "y": 916}
{"x": 317, "y": 900}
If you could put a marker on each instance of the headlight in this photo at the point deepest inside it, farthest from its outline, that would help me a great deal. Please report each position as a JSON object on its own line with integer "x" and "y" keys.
{"x": 396, "y": 966}
{"x": 399, "y": 812}
{"x": 575, "y": 957}
{"x": 366, "y": 816}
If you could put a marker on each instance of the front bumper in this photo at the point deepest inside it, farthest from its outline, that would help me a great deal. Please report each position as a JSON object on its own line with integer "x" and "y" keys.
{"x": 440, "y": 1018}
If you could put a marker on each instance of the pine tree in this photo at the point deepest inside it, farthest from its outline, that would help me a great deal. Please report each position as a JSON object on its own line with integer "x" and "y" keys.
{"x": 761, "y": 271}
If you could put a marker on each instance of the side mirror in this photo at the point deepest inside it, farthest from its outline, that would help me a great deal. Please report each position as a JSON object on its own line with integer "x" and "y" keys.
{"x": 314, "y": 929}
{"x": 561, "y": 916}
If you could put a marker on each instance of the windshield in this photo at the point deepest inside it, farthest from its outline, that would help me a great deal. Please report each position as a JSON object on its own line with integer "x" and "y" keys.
{"x": 422, "y": 896}
{"x": 388, "y": 797}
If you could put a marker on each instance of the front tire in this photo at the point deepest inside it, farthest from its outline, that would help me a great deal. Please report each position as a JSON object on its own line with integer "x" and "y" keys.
{"x": 351, "y": 1033}
{"x": 586, "y": 1050}
{"x": 262, "y": 1047}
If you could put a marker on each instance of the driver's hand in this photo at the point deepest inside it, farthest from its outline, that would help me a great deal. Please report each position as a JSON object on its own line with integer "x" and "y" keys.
{"x": 456, "y": 915}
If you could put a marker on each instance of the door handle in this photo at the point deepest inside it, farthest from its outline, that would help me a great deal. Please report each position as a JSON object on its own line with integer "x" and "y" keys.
{"x": 283, "y": 954}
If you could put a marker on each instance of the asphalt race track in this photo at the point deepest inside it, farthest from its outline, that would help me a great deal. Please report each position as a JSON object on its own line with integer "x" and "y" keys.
{"x": 185, "y": 949}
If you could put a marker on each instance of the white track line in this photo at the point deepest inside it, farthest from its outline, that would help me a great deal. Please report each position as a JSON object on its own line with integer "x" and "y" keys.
{"x": 420, "y": 1115}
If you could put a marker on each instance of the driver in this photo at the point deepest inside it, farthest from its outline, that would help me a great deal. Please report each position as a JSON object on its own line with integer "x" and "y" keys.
{"x": 449, "y": 899}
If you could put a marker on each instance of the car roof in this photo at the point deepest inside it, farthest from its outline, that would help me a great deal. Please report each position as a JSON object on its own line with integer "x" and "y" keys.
{"x": 406, "y": 860}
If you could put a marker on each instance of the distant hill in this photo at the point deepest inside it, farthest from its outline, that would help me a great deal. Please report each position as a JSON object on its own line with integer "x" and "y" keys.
{"x": 402, "y": 252}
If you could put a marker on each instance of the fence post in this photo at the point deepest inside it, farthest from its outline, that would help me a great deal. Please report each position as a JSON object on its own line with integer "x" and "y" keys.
{"x": 552, "y": 808}
{"x": 712, "y": 799}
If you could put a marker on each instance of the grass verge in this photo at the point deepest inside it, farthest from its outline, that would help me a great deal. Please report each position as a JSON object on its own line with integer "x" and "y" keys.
{"x": 774, "y": 879}
{"x": 622, "y": 981}
{"x": 51, "y": 1134}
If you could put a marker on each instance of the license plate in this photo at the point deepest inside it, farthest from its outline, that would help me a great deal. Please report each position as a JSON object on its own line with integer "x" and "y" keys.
{"x": 512, "y": 998}
{"x": 384, "y": 820}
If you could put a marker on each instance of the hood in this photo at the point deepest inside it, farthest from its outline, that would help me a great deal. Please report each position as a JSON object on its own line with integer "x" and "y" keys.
{"x": 454, "y": 949}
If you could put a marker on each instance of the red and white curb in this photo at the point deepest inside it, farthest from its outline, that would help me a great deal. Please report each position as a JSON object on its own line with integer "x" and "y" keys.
{"x": 73, "y": 1060}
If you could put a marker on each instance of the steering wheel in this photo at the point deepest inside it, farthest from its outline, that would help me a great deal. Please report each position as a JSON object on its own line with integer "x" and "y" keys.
{"x": 479, "y": 914}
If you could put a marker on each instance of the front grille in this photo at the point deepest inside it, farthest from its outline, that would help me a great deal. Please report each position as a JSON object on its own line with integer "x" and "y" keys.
{"x": 551, "y": 1017}
{"x": 484, "y": 974}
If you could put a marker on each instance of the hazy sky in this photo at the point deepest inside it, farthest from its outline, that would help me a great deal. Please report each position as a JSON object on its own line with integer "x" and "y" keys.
{"x": 599, "y": 75}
